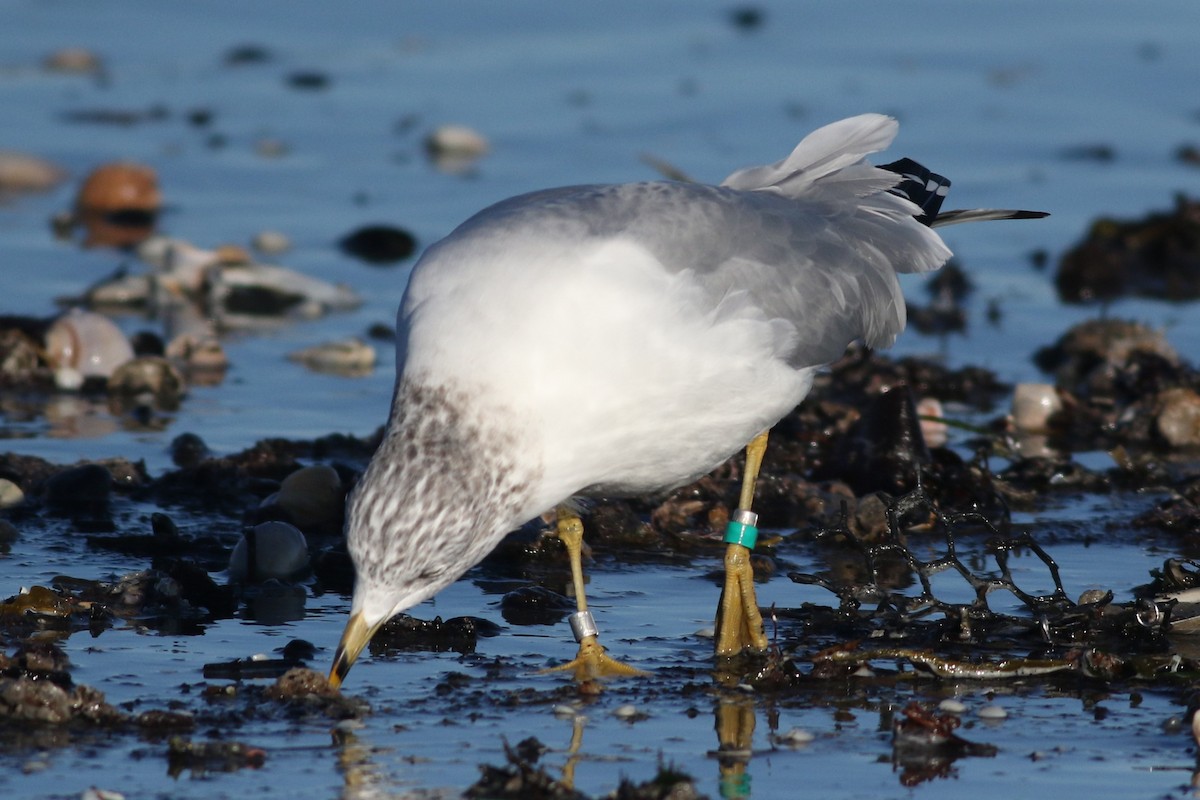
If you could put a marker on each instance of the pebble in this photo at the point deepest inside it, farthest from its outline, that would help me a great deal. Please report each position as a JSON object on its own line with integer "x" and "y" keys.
{"x": 10, "y": 494}
{"x": 706, "y": 633}
{"x": 379, "y": 244}
{"x": 95, "y": 793}
{"x": 992, "y": 712}
{"x": 350, "y": 356}
{"x": 271, "y": 242}
{"x": 455, "y": 148}
{"x": 931, "y": 414}
{"x": 312, "y": 496}
{"x": 280, "y": 552}
{"x": 76, "y": 60}
{"x": 456, "y": 141}
{"x": 563, "y": 711}
{"x": 629, "y": 713}
{"x": 795, "y": 737}
{"x": 188, "y": 450}
{"x": 952, "y": 706}
{"x": 20, "y": 172}
{"x": 88, "y": 485}
{"x": 1032, "y": 406}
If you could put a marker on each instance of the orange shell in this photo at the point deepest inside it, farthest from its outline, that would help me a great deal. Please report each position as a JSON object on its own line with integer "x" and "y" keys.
{"x": 120, "y": 186}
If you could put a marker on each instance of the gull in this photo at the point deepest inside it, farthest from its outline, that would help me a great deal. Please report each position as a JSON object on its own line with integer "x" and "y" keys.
{"x": 616, "y": 340}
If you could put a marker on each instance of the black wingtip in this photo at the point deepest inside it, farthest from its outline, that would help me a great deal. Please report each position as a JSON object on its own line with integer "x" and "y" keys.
{"x": 924, "y": 188}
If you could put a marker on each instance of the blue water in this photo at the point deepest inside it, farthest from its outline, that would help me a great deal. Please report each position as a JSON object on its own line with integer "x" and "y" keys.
{"x": 989, "y": 94}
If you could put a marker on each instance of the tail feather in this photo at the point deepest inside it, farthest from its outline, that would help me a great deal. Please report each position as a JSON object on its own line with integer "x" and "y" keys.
{"x": 982, "y": 215}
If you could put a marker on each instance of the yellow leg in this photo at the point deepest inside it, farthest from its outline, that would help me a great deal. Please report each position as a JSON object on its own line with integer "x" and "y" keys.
{"x": 735, "y": 736}
{"x": 592, "y": 662}
{"x": 739, "y": 622}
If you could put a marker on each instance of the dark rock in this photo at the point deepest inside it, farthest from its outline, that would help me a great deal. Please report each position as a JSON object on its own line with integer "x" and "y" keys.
{"x": 379, "y": 244}
{"x": 79, "y": 490}
{"x": 1158, "y": 256}
{"x": 535, "y": 605}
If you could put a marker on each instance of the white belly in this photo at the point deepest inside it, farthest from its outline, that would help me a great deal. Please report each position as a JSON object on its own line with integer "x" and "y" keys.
{"x": 621, "y": 376}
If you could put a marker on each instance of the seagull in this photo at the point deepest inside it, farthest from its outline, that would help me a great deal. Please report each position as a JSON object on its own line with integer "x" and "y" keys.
{"x": 617, "y": 340}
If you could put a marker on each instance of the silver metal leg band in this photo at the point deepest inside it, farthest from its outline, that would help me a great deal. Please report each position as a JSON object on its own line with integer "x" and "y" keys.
{"x": 583, "y": 624}
{"x": 746, "y": 517}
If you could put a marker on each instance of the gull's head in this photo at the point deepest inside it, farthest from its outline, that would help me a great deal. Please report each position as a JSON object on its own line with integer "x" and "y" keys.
{"x": 438, "y": 495}
{"x": 396, "y": 525}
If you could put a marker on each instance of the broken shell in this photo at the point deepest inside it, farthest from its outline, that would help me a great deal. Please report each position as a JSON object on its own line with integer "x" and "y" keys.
{"x": 931, "y": 414}
{"x": 352, "y": 357}
{"x": 312, "y": 496}
{"x": 795, "y": 737}
{"x": 271, "y": 550}
{"x": 1033, "y": 405}
{"x": 25, "y": 173}
{"x": 197, "y": 352}
{"x": 1178, "y": 418}
{"x": 88, "y": 343}
{"x": 153, "y": 375}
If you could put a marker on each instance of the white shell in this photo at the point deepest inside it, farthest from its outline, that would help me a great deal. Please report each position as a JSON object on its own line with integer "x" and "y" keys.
{"x": 88, "y": 343}
{"x": 1032, "y": 406}
{"x": 933, "y": 430}
{"x": 281, "y": 552}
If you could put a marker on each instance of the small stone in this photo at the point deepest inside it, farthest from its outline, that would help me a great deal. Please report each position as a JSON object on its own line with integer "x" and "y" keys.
{"x": 931, "y": 416}
{"x": 456, "y": 140}
{"x": 563, "y": 711}
{"x": 78, "y": 488}
{"x": 20, "y": 172}
{"x": 312, "y": 496}
{"x": 271, "y": 550}
{"x": 188, "y": 450}
{"x": 350, "y": 357}
{"x": 952, "y": 705}
{"x": 77, "y": 60}
{"x": 271, "y": 242}
{"x": 628, "y": 713}
{"x": 1033, "y": 405}
{"x": 379, "y": 244}
{"x": 10, "y": 494}
{"x": 795, "y": 737}
{"x": 992, "y": 712}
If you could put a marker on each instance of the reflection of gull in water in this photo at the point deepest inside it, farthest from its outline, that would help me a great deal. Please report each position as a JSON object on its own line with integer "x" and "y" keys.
{"x": 621, "y": 340}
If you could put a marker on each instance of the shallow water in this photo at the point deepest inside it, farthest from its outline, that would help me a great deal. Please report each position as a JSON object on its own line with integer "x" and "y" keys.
{"x": 993, "y": 96}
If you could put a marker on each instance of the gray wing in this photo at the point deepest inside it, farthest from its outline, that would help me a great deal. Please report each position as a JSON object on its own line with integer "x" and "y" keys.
{"x": 825, "y": 264}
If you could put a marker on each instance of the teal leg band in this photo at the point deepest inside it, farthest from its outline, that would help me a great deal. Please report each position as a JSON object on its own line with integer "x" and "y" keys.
{"x": 742, "y": 529}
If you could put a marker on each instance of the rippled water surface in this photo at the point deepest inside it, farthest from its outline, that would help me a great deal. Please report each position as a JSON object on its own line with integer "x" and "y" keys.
{"x": 997, "y": 96}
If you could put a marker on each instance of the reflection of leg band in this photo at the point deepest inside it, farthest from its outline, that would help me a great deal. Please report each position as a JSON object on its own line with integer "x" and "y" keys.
{"x": 742, "y": 529}
{"x": 583, "y": 624}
